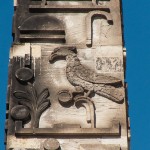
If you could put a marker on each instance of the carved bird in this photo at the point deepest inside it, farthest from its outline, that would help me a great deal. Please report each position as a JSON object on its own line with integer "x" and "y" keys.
{"x": 87, "y": 79}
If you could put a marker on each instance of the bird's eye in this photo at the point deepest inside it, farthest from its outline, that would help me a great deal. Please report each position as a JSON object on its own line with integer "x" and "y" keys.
{"x": 72, "y": 49}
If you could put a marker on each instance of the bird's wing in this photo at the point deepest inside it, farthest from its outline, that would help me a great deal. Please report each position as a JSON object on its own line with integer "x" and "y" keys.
{"x": 89, "y": 75}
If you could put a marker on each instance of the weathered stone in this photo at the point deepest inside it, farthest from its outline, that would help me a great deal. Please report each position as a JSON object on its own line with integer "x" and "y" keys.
{"x": 66, "y": 87}
{"x": 51, "y": 144}
{"x": 98, "y": 147}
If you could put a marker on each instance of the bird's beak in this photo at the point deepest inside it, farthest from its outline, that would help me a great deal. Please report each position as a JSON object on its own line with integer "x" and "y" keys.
{"x": 52, "y": 57}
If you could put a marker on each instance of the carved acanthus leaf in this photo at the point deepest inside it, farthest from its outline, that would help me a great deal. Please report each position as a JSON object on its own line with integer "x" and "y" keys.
{"x": 36, "y": 103}
{"x": 22, "y": 95}
{"x": 42, "y": 97}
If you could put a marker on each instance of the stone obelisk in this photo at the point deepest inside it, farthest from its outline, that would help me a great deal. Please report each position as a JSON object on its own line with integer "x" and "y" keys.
{"x": 66, "y": 87}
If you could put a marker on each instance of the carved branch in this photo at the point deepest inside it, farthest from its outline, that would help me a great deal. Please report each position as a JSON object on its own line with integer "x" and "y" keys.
{"x": 36, "y": 104}
{"x": 89, "y": 106}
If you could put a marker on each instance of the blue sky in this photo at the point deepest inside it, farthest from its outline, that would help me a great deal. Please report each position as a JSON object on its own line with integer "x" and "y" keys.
{"x": 137, "y": 41}
{"x": 6, "y": 11}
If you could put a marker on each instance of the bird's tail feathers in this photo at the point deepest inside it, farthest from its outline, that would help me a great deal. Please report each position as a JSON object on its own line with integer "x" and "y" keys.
{"x": 113, "y": 93}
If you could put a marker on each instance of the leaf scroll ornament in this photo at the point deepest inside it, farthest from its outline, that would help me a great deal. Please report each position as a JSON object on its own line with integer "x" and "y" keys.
{"x": 36, "y": 104}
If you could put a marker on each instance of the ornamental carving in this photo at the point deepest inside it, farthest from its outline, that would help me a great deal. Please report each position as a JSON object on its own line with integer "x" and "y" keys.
{"x": 86, "y": 79}
{"x": 89, "y": 22}
{"x": 66, "y": 88}
{"x": 109, "y": 64}
{"x": 30, "y": 102}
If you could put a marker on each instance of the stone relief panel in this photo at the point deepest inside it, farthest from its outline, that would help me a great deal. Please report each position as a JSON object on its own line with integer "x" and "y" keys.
{"x": 74, "y": 144}
{"x": 109, "y": 60}
{"x": 47, "y": 29}
{"x": 74, "y": 26}
{"x": 74, "y": 89}
{"x": 67, "y": 84}
{"x": 50, "y": 92}
{"x": 56, "y": 74}
{"x": 27, "y": 104}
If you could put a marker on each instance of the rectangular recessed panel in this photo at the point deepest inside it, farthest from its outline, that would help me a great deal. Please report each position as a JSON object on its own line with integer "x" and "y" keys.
{"x": 66, "y": 8}
{"x": 99, "y": 147}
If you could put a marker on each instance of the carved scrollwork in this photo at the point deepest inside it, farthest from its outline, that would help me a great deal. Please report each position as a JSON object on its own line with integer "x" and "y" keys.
{"x": 89, "y": 106}
{"x": 89, "y": 17}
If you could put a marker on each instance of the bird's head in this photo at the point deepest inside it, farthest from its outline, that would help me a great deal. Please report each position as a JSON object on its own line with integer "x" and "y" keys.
{"x": 62, "y": 53}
